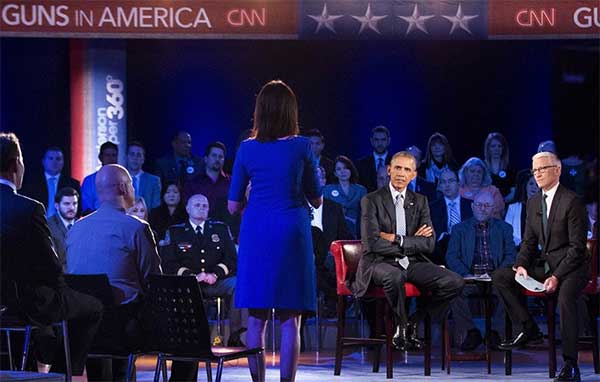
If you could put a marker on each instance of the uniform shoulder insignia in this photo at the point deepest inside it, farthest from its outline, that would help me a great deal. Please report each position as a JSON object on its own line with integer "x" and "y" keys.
{"x": 217, "y": 222}
{"x": 177, "y": 226}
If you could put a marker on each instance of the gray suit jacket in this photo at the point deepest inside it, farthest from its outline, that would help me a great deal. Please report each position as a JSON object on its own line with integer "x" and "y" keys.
{"x": 149, "y": 189}
{"x": 378, "y": 214}
{"x": 461, "y": 248}
{"x": 59, "y": 237}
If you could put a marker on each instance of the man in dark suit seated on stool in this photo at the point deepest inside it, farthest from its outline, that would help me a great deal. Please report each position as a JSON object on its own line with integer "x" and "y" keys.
{"x": 396, "y": 236}
{"x": 30, "y": 264}
{"x": 556, "y": 221}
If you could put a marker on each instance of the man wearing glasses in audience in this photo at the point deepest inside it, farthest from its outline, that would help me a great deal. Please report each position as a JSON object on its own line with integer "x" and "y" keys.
{"x": 478, "y": 246}
{"x": 557, "y": 222}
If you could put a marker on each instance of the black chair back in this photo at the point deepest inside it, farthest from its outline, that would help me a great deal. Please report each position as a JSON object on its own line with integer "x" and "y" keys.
{"x": 110, "y": 337}
{"x": 179, "y": 321}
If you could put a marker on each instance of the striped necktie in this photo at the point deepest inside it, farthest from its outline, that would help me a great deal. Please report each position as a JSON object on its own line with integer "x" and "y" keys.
{"x": 452, "y": 216}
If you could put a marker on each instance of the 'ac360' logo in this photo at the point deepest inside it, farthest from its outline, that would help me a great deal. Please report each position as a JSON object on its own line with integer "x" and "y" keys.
{"x": 115, "y": 98}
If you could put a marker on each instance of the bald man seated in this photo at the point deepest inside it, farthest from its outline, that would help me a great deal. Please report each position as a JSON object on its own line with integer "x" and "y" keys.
{"x": 122, "y": 246}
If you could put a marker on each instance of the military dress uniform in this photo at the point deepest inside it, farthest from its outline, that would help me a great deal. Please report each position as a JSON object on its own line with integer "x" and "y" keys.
{"x": 210, "y": 249}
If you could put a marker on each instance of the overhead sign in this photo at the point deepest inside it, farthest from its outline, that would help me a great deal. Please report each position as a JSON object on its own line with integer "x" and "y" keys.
{"x": 302, "y": 19}
{"x": 544, "y": 18}
{"x": 151, "y": 18}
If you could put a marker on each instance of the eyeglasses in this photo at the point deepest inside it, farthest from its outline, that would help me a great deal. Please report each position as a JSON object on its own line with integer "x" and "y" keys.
{"x": 483, "y": 205}
{"x": 542, "y": 169}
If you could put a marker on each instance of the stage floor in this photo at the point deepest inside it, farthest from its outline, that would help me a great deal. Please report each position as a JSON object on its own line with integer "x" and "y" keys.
{"x": 528, "y": 365}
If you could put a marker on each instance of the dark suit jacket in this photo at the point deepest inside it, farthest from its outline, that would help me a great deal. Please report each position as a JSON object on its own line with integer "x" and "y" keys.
{"x": 439, "y": 218}
{"x": 378, "y": 214}
{"x": 166, "y": 168}
{"x": 426, "y": 188}
{"x": 28, "y": 259}
{"x": 36, "y": 187}
{"x": 184, "y": 253}
{"x": 461, "y": 248}
{"x": 367, "y": 172}
{"x": 565, "y": 247}
{"x": 59, "y": 237}
{"x": 334, "y": 228}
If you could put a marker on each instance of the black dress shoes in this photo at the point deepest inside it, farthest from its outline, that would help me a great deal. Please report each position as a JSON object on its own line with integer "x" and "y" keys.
{"x": 568, "y": 373}
{"x": 406, "y": 338}
{"x": 533, "y": 336}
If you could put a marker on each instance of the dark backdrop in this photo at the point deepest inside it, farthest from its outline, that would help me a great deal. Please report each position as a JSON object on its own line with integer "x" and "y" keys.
{"x": 528, "y": 90}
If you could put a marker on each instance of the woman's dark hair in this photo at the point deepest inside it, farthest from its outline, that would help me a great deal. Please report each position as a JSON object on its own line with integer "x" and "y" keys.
{"x": 448, "y": 156}
{"x": 163, "y": 191}
{"x": 275, "y": 113}
{"x": 349, "y": 165}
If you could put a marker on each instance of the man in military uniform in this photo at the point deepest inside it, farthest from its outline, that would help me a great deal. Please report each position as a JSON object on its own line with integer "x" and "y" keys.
{"x": 205, "y": 250}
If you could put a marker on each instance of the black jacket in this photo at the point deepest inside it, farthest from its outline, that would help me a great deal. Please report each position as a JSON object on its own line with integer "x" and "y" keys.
{"x": 28, "y": 259}
{"x": 565, "y": 247}
{"x": 378, "y": 214}
{"x": 183, "y": 252}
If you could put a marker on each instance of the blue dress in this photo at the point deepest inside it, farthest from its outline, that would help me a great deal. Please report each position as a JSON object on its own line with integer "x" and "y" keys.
{"x": 276, "y": 266}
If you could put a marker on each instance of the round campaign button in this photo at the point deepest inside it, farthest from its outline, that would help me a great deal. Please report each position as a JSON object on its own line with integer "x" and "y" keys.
{"x": 335, "y": 193}
{"x": 190, "y": 170}
{"x": 502, "y": 174}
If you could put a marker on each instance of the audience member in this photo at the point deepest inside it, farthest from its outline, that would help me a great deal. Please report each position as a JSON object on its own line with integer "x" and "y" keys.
{"x": 438, "y": 156}
{"x": 368, "y": 166}
{"x": 547, "y": 146}
{"x": 397, "y": 237}
{"x": 317, "y": 143}
{"x": 109, "y": 154}
{"x": 182, "y": 165}
{"x": 496, "y": 155}
{"x": 346, "y": 192}
{"x": 516, "y": 212}
{"x": 446, "y": 212}
{"x": 478, "y": 246}
{"x": 474, "y": 177}
{"x": 145, "y": 185}
{"x": 44, "y": 188}
{"x": 328, "y": 224}
{"x": 122, "y": 247}
{"x": 31, "y": 274}
{"x": 139, "y": 209}
{"x": 213, "y": 183}
{"x": 204, "y": 249}
{"x": 65, "y": 203}
{"x": 170, "y": 212}
{"x": 418, "y": 184}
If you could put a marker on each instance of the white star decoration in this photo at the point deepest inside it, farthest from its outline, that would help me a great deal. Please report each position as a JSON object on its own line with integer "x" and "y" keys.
{"x": 416, "y": 21}
{"x": 460, "y": 20}
{"x": 369, "y": 20}
{"x": 325, "y": 20}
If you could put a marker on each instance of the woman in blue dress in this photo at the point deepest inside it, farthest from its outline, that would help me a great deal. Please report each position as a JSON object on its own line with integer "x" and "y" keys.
{"x": 347, "y": 192}
{"x": 275, "y": 260}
